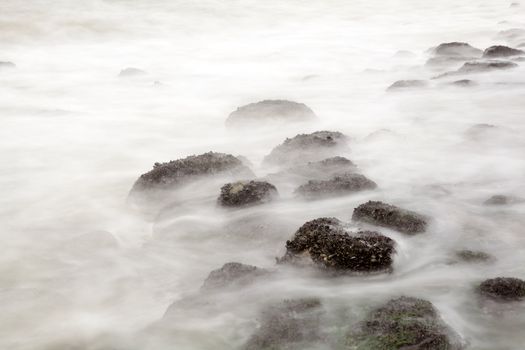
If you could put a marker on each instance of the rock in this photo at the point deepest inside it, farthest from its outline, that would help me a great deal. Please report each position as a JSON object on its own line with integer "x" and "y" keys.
{"x": 170, "y": 175}
{"x": 7, "y": 64}
{"x": 328, "y": 245}
{"x": 486, "y": 66}
{"x": 503, "y": 289}
{"x": 405, "y": 84}
{"x": 514, "y": 4}
{"x": 464, "y": 83}
{"x": 307, "y": 148}
{"x": 131, "y": 72}
{"x": 479, "y": 131}
{"x": 472, "y": 256}
{"x": 501, "y": 51}
{"x": 233, "y": 274}
{"x": 271, "y": 110}
{"x": 292, "y": 324}
{"x": 338, "y": 185}
{"x": 386, "y": 215}
{"x": 403, "y": 323}
{"x": 246, "y": 193}
{"x": 456, "y": 49}
{"x": 404, "y": 54}
{"x": 498, "y": 200}
{"x": 447, "y": 61}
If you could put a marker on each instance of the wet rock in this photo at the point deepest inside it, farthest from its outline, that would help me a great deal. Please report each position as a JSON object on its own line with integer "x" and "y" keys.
{"x": 406, "y": 84}
{"x": 472, "y": 256}
{"x": 498, "y": 200}
{"x": 233, "y": 274}
{"x": 485, "y": 66}
{"x": 501, "y": 51}
{"x": 503, "y": 289}
{"x": 328, "y": 245}
{"x": 456, "y": 49}
{"x": 403, "y": 323}
{"x": 271, "y": 110}
{"x": 292, "y": 324}
{"x": 308, "y": 148}
{"x": 246, "y": 193}
{"x": 338, "y": 185}
{"x": 386, "y": 215}
{"x": 131, "y": 72}
{"x": 464, "y": 83}
{"x": 6, "y": 64}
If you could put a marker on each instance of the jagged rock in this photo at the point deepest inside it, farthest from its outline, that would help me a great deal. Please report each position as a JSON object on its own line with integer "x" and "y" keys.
{"x": 501, "y": 51}
{"x": 291, "y": 325}
{"x": 403, "y": 323}
{"x": 7, "y": 64}
{"x": 131, "y": 72}
{"x": 307, "y": 148}
{"x": 338, "y": 185}
{"x": 233, "y": 274}
{"x": 472, "y": 256}
{"x": 386, "y": 215}
{"x": 456, "y": 49}
{"x": 327, "y": 244}
{"x": 271, "y": 110}
{"x": 406, "y": 84}
{"x": 503, "y": 288}
{"x": 245, "y": 193}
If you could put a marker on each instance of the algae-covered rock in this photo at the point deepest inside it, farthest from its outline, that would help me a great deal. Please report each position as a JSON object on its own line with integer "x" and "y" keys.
{"x": 387, "y": 215}
{"x": 245, "y": 193}
{"x": 503, "y": 289}
{"x": 338, "y": 185}
{"x": 271, "y": 110}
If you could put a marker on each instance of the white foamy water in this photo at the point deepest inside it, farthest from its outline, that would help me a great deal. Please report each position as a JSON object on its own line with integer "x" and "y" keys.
{"x": 75, "y": 137}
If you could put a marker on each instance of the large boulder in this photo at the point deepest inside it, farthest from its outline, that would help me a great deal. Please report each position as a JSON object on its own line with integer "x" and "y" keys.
{"x": 339, "y": 185}
{"x": 456, "y": 49}
{"x": 503, "y": 289}
{"x": 325, "y": 243}
{"x": 403, "y": 323}
{"x": 271, "y": 110}
{"x": 291, "y": 324}
{"x": 387, "y": 215}
{"x": 232, "y": 274}
{"x": 501, "y": 51}
{"x": 246, "y": 193}
{"x": 307, "y": 148}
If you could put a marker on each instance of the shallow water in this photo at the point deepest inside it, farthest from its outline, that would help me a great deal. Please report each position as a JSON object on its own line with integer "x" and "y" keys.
{"x": 75, "y": 137}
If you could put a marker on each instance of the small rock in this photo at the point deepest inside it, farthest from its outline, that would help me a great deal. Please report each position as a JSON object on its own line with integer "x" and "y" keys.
{"x": 498, "y": 200}
{"x": 405, "y": 84}
{"x": 326, "y": 243}
{"x": 479, "y": 131}
{"x": 501, "y": 51}
{"x": 271, "y": 110}
{"x": 7, "y": 64}
{"x": 456, "y": 49}
{"x": 464, "y": 83}
{"x": 232, "y": 274}
{"x": 386, "y": 215}
{"x": 503, "y": 288}
{"x": 338, "y": 185}
{"x": 131, "y": 72}
{"x": 246, "y": 193}
{"x": 472, "y": 256}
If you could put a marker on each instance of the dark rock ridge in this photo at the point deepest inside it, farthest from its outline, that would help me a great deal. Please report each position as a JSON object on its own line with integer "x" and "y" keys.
{"x": 232, "y": 274}
{"x": 386, "y": 215}
{"x": 271, "y": 110}
{"x": 245, "y": 193}
{"x": 456, "y": 49}
{"x": 501, "y": 51}
{"x": 327, "y": 244}
{"x": 131, "y": 72}
{"x": 291, "y": 324}
{"x": 7, "y": 64}
{"x": 405, "y": 84}
{"x": 503, "y": 289}
{"x": 177, "y": 172}
{"x": 338, "y": 185}
{"x": 472, "y": 256}
{"x": 307, "y": 147}
{"x": 403, "y": 323}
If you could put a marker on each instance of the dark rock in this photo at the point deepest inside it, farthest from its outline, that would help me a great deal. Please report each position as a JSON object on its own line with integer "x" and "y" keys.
{"x": 271, "y": 110}
{"x": 292, "y": 324}
{"x": 6, "y": 64}
{"x": 486, "y": 66}
{"x": 503, "y": 288}
{"x": 403, "y": 323}
{"x": 131, "y": 72}
{"x": 456, "y": 49}
{"x": 245, "y": 193}
{"x": 327, "y": 244}
{"x": 501, "y": 51}
{"x": 340, "y": 184}
{"x": 472, "y": 256}
{"x": 497, "y": 200}
{"x": 233, "y": 274}
{"x": 386, "y": 215}
{"x": 307, "y": 147}
{"x": 464, "y": 83}
{"x": 405, "y": 84}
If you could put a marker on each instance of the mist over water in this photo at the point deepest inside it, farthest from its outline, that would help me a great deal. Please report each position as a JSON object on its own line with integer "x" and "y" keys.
{"x": 75, "y": 136}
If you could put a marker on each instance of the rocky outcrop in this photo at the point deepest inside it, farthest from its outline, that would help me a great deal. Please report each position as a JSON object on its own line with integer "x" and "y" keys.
{"x": 503, "y": 289}
{"x": 339, "y": 185}
{"x": 386, "y": 215}
{"x": 246, "y": 193}
{"x": 232, "y": 274}
{"x": 271, "y": 110}
{"x": 501, "y": 51}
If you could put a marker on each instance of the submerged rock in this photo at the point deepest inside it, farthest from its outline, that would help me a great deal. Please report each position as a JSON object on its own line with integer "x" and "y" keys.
{"x": 291, "y": 324}
{"x": 456, "y": 49}
{"x": 7, "y": 64}
{"x": 501, "y": 51}
{"x": 486, "y": 66}
{"x": 386, "y": 215}
{"x": 131, "y": 72}
{"x": 403, "y": 323}
{"x": 479, "y": 131}
{"x": 500, "y": 199}
{"x": 472, "y": 256}
{"x": 233, "y": 274}
{"x": 338, "y": 185}
{"x": 464, "y": 83}
{"x": 327, "y": 244}
{"x": 405, "y": 84}
{"x": 245, "y": 193}
{"x": 503, "y": 289}
{"x": 271, "y": 110}
{"x": 308, "y": 147}
{"x": 318, "y": 170}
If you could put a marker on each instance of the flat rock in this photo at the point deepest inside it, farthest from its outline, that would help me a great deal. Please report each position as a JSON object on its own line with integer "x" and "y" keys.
{"x": 386, "y": 215}
{"x": 503, "y": 289}
{"x": 328, "y": 245}
{"x": 339, "y": 185}
{"x": 246, "y": 193}
{"x": 271, "y": 110}
{"x": 501, "y": 51}
{"x": 232, "y": 274}
{"x": 407, "y": 84}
